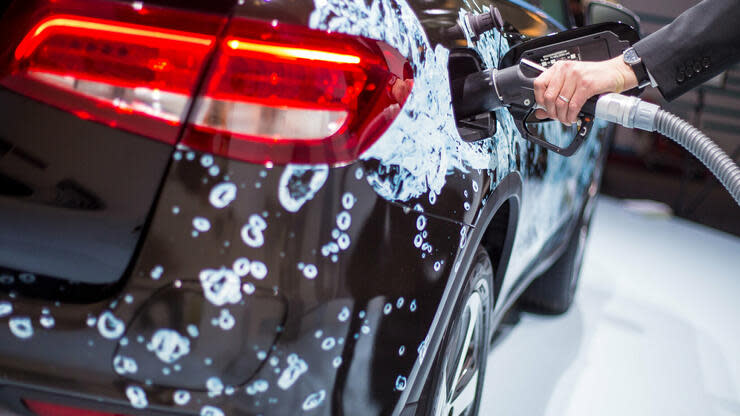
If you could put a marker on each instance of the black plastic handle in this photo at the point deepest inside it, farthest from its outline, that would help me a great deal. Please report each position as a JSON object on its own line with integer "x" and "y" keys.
{"x": 585, "y": 122}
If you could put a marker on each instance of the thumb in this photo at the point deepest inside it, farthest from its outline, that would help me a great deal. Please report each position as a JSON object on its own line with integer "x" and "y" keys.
{"x": 540, "y": 114}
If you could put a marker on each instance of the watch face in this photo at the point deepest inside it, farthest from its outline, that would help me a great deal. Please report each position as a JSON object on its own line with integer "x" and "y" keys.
{"x": 630, "y": 56}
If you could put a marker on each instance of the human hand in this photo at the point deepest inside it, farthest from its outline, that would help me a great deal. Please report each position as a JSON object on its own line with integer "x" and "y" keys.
{"x": 567, "y": 85}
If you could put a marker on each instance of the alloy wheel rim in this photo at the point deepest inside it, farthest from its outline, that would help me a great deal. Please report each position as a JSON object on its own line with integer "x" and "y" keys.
{"x": 457, "y": 394}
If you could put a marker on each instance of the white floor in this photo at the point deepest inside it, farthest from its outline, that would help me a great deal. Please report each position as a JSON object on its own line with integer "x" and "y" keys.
{"x": 655, "y": 328}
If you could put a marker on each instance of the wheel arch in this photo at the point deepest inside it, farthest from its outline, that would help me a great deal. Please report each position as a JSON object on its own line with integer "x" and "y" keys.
{"x": 506, "y": 194}
{"x": 498, "y": 240}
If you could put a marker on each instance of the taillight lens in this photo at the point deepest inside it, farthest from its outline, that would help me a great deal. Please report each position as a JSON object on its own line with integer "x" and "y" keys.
{"x": 287, "y": 94}
{"x": 52, "y": 409}
{"x": 130, "y": 66}
{"x": 273, "y": 93}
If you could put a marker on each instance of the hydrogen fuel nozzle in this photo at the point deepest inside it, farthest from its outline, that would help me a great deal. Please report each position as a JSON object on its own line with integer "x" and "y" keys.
{"x": 513, "y": 88}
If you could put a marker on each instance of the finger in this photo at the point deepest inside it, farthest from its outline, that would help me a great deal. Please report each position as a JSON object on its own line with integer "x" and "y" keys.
{"x": 563, "y": 101}
{"x": 540, "y": 85}
{"x": 540, "y": 114}
{"x": 576, "y": 102}
{"x": 553, "y": 90}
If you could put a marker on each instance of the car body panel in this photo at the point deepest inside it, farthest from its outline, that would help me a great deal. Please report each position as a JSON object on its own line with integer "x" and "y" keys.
{"x": 357, "y": 265}
{"x": 96, "y": 190}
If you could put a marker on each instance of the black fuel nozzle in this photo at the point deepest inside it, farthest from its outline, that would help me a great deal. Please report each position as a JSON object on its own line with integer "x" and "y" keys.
{"x": 513, "y": 88}
{"x": 478, "y": 24}
{"x": 492, "y": 89}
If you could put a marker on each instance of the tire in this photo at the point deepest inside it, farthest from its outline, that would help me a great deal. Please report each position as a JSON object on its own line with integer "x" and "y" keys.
{"x": 456, "y": 381}
{"x": 553, "y": 292}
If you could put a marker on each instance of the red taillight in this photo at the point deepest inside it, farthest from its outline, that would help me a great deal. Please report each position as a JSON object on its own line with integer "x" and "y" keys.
{"x": 273, "y": 93}
{"x": 51, "y": 409}
{"x": 126, "y": 66}
{"x": 287, "y": 94}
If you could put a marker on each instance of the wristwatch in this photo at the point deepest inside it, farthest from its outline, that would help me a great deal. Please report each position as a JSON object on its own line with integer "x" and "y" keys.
{"x": 633, "y": 60}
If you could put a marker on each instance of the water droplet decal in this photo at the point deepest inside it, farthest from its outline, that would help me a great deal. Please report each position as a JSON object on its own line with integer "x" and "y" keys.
{"x": 248, "y": 288}
{"x": 211, "y": 411}
{"x": 221, "y": 286}
{"x": 47, "y": 321}
{"x": 421, "y": 222}
{"x": 314, "y": 400}
{"x": 137, "y": 397}
{"x": 156, "y": 272}
{"x": 258, "y": 269}
{"x": 259, "y": 386}
{"x": 206, "y": 161}
{"x": 328, "y": 343}
{"x": 401, "y": 383}
{"x": 201, "y": 224}
{"x": 124, "y": 365}
{"x": 226, "y": 320}
{"x": 343, "y": 241}
{"x": 215, "y": 386}
{"x": 181, "y": 397}
{"x": 348, "y": 201}
{"x": 222, "y": 194}
{"x": 27, "y": 278}
{"x": 168, "y": 345}
{"x": 21, "y": 327}
{"x": 343, "y": 314}
{"x": 193, "y": 331}
{"x": 6, "y": 308}
{"x": 296, "y": 367}
{"x": 109, "y": 326}
{"x": 388, "y": 308}
{"x": 344, "y": 220}
{"x": 241, "y": 266}
{"x": 299, "y": 184}
{"x": 252, "y": 232}
{"x": 463, "y": 233}
{"x": 310, "y": 271}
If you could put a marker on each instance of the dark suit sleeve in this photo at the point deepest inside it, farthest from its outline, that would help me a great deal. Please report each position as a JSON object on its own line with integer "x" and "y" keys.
{"x": 698, "y": 45}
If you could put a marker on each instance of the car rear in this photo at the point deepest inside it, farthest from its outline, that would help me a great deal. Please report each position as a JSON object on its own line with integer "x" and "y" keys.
{"x": 185, "y": 224}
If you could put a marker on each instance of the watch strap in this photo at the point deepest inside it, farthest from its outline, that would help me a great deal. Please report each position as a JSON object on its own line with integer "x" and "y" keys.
{"x": 638, "y": 67}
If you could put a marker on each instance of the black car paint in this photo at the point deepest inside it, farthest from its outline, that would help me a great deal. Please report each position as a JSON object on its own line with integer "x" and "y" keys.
{"x": 362, "y": 279}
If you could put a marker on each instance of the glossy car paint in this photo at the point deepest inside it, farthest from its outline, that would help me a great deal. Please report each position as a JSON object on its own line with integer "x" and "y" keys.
{"x": 268, "y": 289}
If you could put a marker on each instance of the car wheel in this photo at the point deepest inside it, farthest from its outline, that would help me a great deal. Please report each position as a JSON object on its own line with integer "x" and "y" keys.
{"x": 459, "y": 370}
{"x": 553, "y": 292}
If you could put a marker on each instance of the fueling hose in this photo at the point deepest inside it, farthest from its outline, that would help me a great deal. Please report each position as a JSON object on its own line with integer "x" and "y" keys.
{"x": 513, "y": 88}
{"x": 632, "y": 112}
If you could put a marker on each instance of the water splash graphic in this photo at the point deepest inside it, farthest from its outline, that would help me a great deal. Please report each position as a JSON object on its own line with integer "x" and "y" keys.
{"x": 21, "y": 327}
{"x": 169, "y": 345}
{"x": 296, "y": 367}
{"x": 299, "y": 184}
{"x": 109, "y": 326}
{"x": 220, "y": 286}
